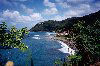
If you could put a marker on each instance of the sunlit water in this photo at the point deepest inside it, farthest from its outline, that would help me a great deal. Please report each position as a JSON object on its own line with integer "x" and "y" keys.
{"x": 42, "y": 49}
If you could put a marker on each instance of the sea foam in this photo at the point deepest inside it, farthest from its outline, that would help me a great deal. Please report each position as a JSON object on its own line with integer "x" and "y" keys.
{"x": 66, "y": 49}
{"x": 35, "y": 37}
{"x": 49, "y": 33}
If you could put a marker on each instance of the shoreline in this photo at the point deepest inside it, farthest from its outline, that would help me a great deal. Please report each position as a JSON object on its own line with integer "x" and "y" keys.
{"x": 70, "y": 43}
{"x": 67, "y": 46}
{"x": 66, "y": 49}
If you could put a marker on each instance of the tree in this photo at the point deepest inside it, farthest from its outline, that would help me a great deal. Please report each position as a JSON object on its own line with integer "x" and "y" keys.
{"x": 87, "y": 37}
{"x": 12, "y": 38}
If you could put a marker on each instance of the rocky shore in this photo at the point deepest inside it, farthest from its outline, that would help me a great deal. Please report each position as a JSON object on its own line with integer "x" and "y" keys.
{"x": 68, "y": 45}
{"x": 68, "y": 42}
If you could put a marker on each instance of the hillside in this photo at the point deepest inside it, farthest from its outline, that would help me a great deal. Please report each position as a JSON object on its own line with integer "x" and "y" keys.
{"x": 51, "y": 25}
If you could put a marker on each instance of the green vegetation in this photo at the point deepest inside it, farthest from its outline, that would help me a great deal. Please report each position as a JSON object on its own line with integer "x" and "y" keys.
{"x": 84, "y": 31}
{"x": 46, "y": 26}
{"x": 12, "y": 38}
{"x": 51, "y": 25}
{"x": 72, "y": 60}
{"x": 87, "y": 37}
{"x": 64, "y": 25}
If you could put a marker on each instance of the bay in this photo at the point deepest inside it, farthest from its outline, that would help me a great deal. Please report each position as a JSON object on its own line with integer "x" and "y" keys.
{"x": 42, "y": 50}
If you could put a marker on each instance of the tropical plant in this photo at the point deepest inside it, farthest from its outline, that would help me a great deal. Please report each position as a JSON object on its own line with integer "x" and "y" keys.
{"x": 87, "y": 37}
{"x": 12, "y": 38}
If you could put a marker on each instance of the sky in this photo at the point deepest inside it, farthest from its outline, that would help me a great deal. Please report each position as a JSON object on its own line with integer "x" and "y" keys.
{"x": 27, "y": 13}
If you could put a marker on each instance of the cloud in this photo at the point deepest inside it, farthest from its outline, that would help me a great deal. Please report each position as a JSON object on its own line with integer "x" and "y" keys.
{"x": 26, "y": 10}
{"x": 72, "y": 3}
{"x": 10, "y": 2}
{"x": 15, "y": 16}
{"x": 72, "y": 8}
{"x": 77, "y": 8}
{"x": 57, "y": 10}
{"x": 49, "y": 4}
{"x": 52, "y": 8}
{"x": 58, "y": 18}
{"x": 78, "y": 11}
{"x": 36, "y": 16}
{"x": 64, "y": 5}
{"x": 72, "y": 13}
{"x": 50, "y": 11}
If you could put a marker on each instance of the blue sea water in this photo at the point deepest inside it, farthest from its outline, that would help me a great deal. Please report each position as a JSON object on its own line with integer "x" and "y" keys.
{"x": 42, "y": 50}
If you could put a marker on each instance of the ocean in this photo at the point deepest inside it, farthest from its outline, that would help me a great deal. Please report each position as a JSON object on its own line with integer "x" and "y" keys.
{"x": 42, "y": 51}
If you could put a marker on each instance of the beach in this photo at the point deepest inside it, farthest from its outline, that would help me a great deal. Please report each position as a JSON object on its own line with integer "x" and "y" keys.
{"x": 67, "y": 46}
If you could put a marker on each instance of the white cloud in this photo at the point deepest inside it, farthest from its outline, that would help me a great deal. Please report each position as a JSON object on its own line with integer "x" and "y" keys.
{"x": 58, "y": 18}
{"x": 9, "y": 14}
{"x": 49, "y": 4}
{"x": 50, "y": 11}
{"x": 78, "y": 11}
{"x": 64, "y": 4}
{"x": 15, "y": 16}
{"x": 72, "y": 3}
{"x": 73, "y": 8}
{"x": 36, "y": 16}
{"x": 27, "y": 10}
{"x": 52, "y": 8}
{"x": 84, "y": 7}
{"x": 72, "y": 13}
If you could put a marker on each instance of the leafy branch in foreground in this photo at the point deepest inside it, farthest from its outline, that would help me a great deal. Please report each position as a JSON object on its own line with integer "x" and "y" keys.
{"x": 12, "y": 38}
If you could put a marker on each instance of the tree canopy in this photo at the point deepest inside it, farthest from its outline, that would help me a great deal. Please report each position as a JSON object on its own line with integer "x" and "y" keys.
{"x": 12, "y": 38}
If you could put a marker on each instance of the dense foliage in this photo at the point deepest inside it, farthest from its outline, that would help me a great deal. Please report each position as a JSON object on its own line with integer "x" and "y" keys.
{"x": 60, "y": 26}
{"x": 87, "y": 37}
{"x": 72, "y": 60}
{"x": 51, "y": 25}
{"x": 85, "y": 31}
{"x": 46, "y": 26}
{"x": 12, "y": 38}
